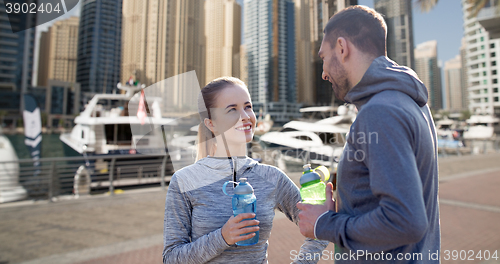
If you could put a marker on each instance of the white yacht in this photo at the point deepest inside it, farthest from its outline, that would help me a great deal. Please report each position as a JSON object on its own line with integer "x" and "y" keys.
{"x": 183, "y": 148}
{"x": 300, "y": 145}
{"x": 481, "y": 127}
{"x": 263, "y": 125}
{"x": 446, "y": 124}
{"x": 110, "y": 125}
{"x": 315, "y": 113}
{"x": 322, "y": 140}
{"x": 10, "y": 189}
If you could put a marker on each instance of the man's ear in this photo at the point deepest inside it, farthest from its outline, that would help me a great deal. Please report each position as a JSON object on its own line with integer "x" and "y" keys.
{"x": 342, "y": 49}
{"x": 209, "y": 124}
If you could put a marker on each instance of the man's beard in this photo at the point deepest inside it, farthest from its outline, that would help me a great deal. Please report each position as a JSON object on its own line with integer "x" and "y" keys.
{"x": 340, "y": 80}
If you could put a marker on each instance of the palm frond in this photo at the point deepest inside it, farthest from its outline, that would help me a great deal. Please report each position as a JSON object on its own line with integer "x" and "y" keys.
{"x": 426, "y": 5}
{"x": 475, "y": 5}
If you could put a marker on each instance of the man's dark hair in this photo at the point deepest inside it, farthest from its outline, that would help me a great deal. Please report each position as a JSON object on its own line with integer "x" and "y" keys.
{"x": 362, "y": 26}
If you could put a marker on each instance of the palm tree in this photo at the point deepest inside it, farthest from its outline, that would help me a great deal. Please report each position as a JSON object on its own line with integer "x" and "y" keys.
{"x": 477, "y": 5}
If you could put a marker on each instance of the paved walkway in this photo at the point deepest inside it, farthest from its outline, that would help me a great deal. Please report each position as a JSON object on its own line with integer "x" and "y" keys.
{"x": 127, "y": 228}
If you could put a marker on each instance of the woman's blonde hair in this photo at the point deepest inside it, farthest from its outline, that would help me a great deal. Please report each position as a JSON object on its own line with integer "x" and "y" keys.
{"x": 207, "y": 100}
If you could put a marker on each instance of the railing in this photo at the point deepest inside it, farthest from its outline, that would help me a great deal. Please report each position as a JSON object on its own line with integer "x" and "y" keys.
{"x": 56, "y": 176}
{"x": 472, "y": 147}
{"x": 80, "y": 175}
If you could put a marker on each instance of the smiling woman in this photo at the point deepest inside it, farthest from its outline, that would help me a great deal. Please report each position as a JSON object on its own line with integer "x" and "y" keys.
{"x": 199, "y": 225}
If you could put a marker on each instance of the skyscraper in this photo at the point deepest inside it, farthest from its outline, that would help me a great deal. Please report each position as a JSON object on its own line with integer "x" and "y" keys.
{"x": 305, "y": 52}
{"x": 223, "y": 38}
{"x": 187, "y": 38}
{"x": 464, "y": 74}
{"x": 144, "y": 45}
{"x": 243, "y": 64}
{"x": 398, "y": 17}
{"x": 58, "y": 52}
{"x": 16, "y": 56}
{"x": 270, "y": 44}
{"x": 311, "y": 19}
{"x": 482, "y": 56}
{"x": 99, "y": 46}
{"x": 453, "y": 84}
{"x": 163, "y": 39}
{"x": 426, "y": 66}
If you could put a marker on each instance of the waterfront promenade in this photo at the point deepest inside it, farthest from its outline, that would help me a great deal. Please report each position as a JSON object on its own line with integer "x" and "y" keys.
{"x": 127, "y": 228}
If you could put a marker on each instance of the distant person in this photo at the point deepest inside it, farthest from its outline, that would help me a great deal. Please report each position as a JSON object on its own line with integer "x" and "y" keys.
{"x": 199, "y": 223}
{"x": 387, "y": 193}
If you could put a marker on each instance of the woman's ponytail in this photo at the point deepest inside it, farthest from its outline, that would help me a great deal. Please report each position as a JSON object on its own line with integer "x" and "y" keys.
{"x": 206, "y": 139}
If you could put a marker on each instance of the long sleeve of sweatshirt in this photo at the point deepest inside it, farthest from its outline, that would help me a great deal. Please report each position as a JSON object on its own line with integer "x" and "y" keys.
{"x": 288, "y": 195}
{"x": 400, "y": 217}
{"x": 178, "y": 247}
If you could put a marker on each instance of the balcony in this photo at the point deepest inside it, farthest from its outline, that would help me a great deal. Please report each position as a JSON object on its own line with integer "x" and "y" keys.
{"x": 489, "y": 18}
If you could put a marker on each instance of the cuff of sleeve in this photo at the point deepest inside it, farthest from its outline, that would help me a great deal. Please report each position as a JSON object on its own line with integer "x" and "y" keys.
{"x": 221, "y": 243}
{"x": 316, "y": 223}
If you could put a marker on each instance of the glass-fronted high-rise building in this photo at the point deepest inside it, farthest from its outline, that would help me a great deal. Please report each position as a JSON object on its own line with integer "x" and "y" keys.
{"x": 163, "y": 47}
{"x": 99, "y": 46}
{"x": 311, "y": 19}
{"x": 58, "y": 49}
{"x": 465, "y": 74}
{"x": 427, "y": 69}
{"x": 16, "y": 57}
{"x": 453, "y": 84}
{"x": 162, "y": 39}
{"x": 399, "y": 20}
{"x": 223, "y": 38}
{"x": 270, "y": 46}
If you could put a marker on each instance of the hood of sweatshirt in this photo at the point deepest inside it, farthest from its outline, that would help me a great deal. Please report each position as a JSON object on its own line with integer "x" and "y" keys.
{"x": 384, "y": 74}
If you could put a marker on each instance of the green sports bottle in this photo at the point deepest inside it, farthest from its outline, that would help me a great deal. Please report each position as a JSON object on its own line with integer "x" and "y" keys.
{"x": 313, "y": 189}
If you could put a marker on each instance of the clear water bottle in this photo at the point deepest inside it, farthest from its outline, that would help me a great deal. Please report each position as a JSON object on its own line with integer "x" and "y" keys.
{"x": 244, "y": 201}
{"x": 312, "y": 188}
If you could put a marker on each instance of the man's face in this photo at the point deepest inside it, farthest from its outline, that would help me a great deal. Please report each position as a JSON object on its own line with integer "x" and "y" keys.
{"x": 333, "y": 70}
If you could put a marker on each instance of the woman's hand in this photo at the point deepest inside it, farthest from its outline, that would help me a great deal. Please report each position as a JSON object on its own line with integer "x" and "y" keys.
{"x": 234, "y": 227}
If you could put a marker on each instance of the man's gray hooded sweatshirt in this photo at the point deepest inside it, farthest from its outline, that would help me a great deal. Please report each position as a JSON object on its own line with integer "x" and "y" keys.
{"x": 387, "y": 194}
{"x": 196, "y": 209}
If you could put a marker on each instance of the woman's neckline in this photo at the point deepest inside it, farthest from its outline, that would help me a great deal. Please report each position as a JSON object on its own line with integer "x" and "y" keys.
{"x": 239, "y": 157}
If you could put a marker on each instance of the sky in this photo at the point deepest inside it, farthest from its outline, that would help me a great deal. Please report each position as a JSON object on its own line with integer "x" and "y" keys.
{"x": 444, "y": 23}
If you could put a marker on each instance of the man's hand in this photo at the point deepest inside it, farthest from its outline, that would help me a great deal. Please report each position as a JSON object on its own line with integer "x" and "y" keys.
{"x": 311, "y": 212}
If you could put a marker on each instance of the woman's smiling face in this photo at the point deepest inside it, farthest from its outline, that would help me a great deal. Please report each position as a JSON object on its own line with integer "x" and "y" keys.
{"x": 233, "y": 115}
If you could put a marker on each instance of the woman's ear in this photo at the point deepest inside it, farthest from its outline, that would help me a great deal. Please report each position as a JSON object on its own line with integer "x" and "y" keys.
{"x": 209, "y": 124}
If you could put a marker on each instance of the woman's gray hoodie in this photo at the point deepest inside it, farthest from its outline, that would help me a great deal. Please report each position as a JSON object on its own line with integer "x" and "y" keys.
{"x": 196, "y": 209}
